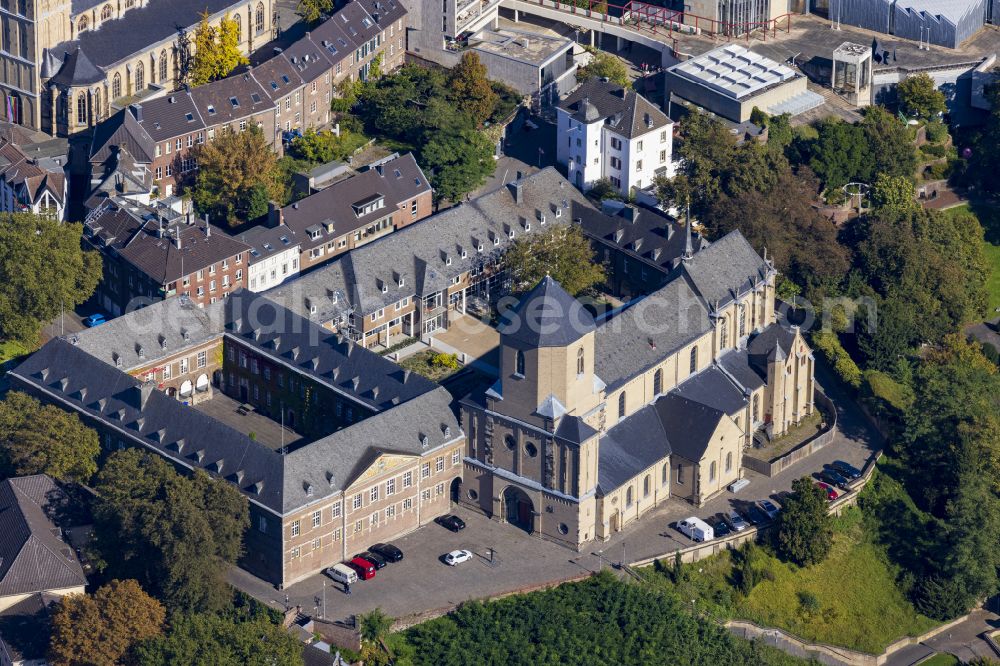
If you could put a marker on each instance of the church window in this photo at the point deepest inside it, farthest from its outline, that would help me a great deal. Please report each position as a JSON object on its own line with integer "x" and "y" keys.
{"x": 664, "y": 473}
{"x": 658, "y": 382}
{"x": 743, "y": 320}
{"x": 259, "y": 18}
{"x": 82, "y": 24}
{"x": 116, "y": 86}
{"x": 645, "y": 486}
{"x": 621, "y": 405}
{"x": 579, "y": 361}
{"x": 140, "y": 77}
{"x": 519, "y": 363}
{"x": 81, "y": 109}
{"x": 729, "y": 462}
{"x": 129, "y": 4}
{"x": 97, "y": 104}
{"x": 163, "y": 66}
{"x": 238, "y": 22}
{"x": 694, "y": 359}
{"x": 628, "y": 496}
{"x": 711, "y": 471}
{"x": 756, "y": 408}
{"x": 724, "y": 334}
{"x": 106, "y": 12}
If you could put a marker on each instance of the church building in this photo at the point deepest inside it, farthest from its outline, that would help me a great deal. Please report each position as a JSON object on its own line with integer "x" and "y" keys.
{"x": 594, "y": 423}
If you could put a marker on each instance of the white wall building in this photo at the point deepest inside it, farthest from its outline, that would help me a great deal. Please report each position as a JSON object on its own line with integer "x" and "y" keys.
{"x": 274, "y": 256}
{"x": 605, "y": 131}
{"x": 28, "y": 186}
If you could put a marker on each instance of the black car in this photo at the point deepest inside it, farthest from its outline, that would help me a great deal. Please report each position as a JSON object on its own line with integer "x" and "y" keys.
{"x": 834, "y": 478}
{"x": 756, "y": 515}
{"x": 848, "y": 470}
{"x": 721, "y": 529}
{"x": 451, "y": 522}
{"x": 374, "y": 558}
{"x": 388, "y": 551}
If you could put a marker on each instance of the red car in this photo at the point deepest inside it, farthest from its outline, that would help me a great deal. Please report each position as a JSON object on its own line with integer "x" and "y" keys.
{"x": 365, "y": 569}
{"x": 831, "y": 494}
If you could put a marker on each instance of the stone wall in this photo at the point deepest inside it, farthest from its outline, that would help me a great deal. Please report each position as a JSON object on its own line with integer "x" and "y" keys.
{"x": 804, "y": 450}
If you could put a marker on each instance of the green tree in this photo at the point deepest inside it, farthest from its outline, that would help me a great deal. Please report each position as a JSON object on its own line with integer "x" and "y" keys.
{"x": 888, "y": 142}
{"x": 375, "y": 625}
{"x": 43, "y": 439}
{"x": 216, "y": 50}
{"x": 560, "y": 251}
{"x": 603, "y": 189}
{"x": 211, "y": 640}
{"x": 99, "y": 630}
{"x": 918, "y": 96}
{"x": 459, "y": 163}
{"x": 840, "y": 154}
{"x": 175, "y": 534}
{"x": 605, "y": 65}
{"x": 312, "y": 11}
{"x": 229, "y": 169}
{"x": 893, "y": 192}
{"x": 43, "y": 270}
{"x": 805, "y": 532}
{"x": 471, "y": 89}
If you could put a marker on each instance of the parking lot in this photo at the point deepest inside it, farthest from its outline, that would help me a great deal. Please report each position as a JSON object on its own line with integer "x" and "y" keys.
{"x": 422, "y": 582}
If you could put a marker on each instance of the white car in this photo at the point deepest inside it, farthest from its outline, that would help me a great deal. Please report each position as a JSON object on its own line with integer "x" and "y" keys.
{"x": 457, "y": 557}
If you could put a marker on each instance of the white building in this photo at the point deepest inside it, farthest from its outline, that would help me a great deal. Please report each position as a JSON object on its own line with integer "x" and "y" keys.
{"x": 274, "y": 256}
{"x": 30, "y": 185}
{"x": 605, "y": 131}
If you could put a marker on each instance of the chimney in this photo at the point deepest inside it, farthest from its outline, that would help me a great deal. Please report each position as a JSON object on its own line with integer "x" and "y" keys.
{"x": 516, "y": 188}
{"x": 136, "y": 111}
{"x": 208, "y": 227}
{"x": 275, "y": 218}
{"x": 177, "y": 237}
{"x": 139, "y": 395}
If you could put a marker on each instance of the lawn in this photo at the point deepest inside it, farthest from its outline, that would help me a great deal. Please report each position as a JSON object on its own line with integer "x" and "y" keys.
{"x": 941, "y": 659}
{"x": 989, "y": 217}
{"x": 11, "y": 349}
{"x": 860, "y": 606}
{"x": 432, "y": 365}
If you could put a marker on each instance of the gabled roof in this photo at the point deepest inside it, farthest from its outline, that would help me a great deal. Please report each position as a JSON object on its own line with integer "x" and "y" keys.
{"x": 726, "y": 269}
{"x": 688, "y": 424}
{"x": 625, "y": 111}
{"x": 23, "y": 173}
{"x": 547, "y": 316}
{"x": 121, "y": 130}
{"x": 33, "y": 557}
{"x": 574, "y": 430}
{"x": 713, "y": 388}
{"x": 631, "y": 446}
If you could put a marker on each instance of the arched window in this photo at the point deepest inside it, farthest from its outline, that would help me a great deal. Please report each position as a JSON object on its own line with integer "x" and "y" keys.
{"x": 579, "y": 361}
{"x": 519, "y": 363}
{"x": 724, "y": 333}
{"x": 238, "y": 22}
{"x": 163, "y": 66}
{"x": 680, "y": 474}
{"x": 711, "y": 471}
{"x": 82, "y": 24}
{"x": 116, "y": 86}
{"x": 664, "y": 473}
{"x": 140, "y": 77}
{"x": 743, "y": 320}
{"x": 729, "y": 462}
{"x": 97, "y": 104}
{"x": 694, "y": 359}
{"x": 756, "y": 408}
{"x": 81, "y": 109}
{"x": 628, "y": 496}
{"x": 645, "y": 486}
{"x": 129, "y": 4}
{"x": 258, "y": 18}
{"x": 658, "y": 382}
{"x": 106, "y": 12}
{"x": 621, "y": 405}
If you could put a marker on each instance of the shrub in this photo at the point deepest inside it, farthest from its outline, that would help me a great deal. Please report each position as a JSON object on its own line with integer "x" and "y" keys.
{"x": 884, "y": 388}
{"x": 933, "y": 150}
{"x": 828, "y": 344}
{"x": 936, "y": 132}
{"x": 809, "y": 602}
{"x": 442, "y": 360}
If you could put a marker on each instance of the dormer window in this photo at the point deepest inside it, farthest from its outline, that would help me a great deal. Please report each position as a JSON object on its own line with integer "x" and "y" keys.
{"x": 400, "y": 282}
{"x": 447, "y": 260}
{"x": 369, "y": 205}
{"x": 211, "y": 110}
{"x": 496, "y": 240}
{"x": 385, "y": 287}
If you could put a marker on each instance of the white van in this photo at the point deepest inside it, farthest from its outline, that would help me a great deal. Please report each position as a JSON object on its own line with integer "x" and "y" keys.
{"x": 696, "y": 529}
{"x": 343, "y": 574}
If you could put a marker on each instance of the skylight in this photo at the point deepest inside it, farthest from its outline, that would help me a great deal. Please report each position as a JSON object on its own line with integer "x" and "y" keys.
{"x": 235, "y": 102}
{"x": 255, "y": 97}
{"x": 189, "y": 116}
{"x": 211, "y": 109}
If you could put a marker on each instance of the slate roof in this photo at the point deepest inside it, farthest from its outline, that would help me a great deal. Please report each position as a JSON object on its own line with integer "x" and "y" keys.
{"x": 158, "y": 330}
{"x": 166, "y": 117}
{"x": 133, "y": 233}
{"x": 726, "y": 269}
{"x": 688, "y": 424}
{"x": 77, "y": 69}
{"x": 33, "y": 557}
{"x": 25, "y": 628}
{"x": 648, "y": 331}
{"x": 547, "y": 316}
{"x": 574, "y": 430}
{"x": 713, "y": 388}
{"x": 266, "y": 241}
{"x": 630, "y": 447}
{"x": 277, "y": 77}
{"x": 427, "y": 256}
{"x": 398, "y": 180}
{"x": 22, "y": 172}
{"x": 121, "y": 129}
{"x": 631, "y": 115}
{"x": 736, "y": 363}
{"x": 250, "y": 99}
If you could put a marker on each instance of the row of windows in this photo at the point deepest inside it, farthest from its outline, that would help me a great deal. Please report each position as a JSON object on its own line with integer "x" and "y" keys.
{"x": 201, "y": 360}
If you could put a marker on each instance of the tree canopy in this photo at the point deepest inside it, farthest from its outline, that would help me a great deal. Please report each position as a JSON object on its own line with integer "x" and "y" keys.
{"x": 805, "y": 533}
{"x": 174, "y": 534}
{"x": 470, "y": 88}
{"x": 312, "y": 11}
{"x": 562, "y": 252}
{"x": 605, "y": 65}
{"x": 99, "y": 630}
{"x": 43, "y": 269}
{"x": 43, "y": 439}
{"x": 919, "y": 96}
{"x": 212, "y": 640}
{"x": 236, "y": 171}
{"x": 216, "y": 50}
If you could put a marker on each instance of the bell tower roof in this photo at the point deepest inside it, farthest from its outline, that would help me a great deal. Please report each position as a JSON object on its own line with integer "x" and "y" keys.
{"x": 547, "y": 316}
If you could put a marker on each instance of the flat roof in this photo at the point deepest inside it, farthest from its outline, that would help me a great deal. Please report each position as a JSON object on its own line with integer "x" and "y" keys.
{"x": 530, "y": 47}
{"x": 734, "y": 71}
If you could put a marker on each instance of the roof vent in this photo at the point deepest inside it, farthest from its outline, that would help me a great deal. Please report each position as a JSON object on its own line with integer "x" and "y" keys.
{"x": 447, "y": 431}
{"x": 258, "y": 487}
{"x": 330, "y": 478}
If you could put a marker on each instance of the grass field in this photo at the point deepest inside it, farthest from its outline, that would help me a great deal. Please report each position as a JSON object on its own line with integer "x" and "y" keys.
{"x": 941, "y": 659}
{"x": 859, "y": 605}
{"x": 11, "y": 349}
{"x": 989, "y": 217}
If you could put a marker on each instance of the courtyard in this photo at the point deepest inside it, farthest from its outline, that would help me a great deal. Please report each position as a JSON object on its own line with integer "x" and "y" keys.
{"x": 257, "y": 426}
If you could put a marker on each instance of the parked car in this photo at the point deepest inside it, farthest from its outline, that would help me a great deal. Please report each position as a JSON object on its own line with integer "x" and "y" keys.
{"x": 374, "y": 558}
{"x": 387, "y": 551}
{"x": 848, "y": 470}
{"x": 770, "y": 508}
{"x": 451, "y": 522}
{"x": 94, "y": 320}
{"x": 737, "y": 521}
{"x": 756, "y": 516}
{"x": 831, "y": 493}
{"x": 456, "y": 557}
{"x": 721, "y": 529}
{"x": 342, "y": 574}
{"x": 696, "y": 529}
{"x": 834, "y": 478}
{"x": 364, "y": 568}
